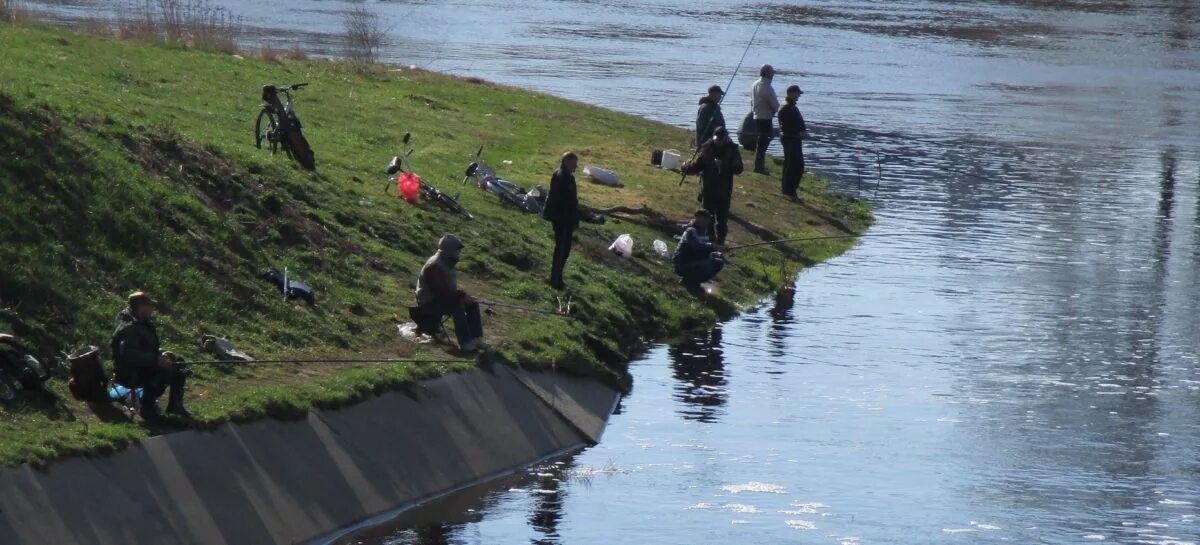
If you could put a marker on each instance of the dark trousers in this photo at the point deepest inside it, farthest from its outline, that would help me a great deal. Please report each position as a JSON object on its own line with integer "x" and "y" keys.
{"x": 699, "y": 270}
{"x": 563, "y": 232}
{"x": 766, "y": 133}
{"x": 154, "y": 382}
{"x": 468, "y": 324}
{"x": 793, "y": 165}
{"x": 720, "y": 214}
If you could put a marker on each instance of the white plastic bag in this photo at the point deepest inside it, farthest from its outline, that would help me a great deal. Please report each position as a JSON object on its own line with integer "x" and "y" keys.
{"x": 661, "y": 248}
{"x": 602, "y": 176}
{"x": 623, "y": 246}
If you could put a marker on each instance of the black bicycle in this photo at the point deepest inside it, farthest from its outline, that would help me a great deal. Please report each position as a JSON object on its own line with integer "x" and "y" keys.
{"x": 278, "y": 126}
{"x": 21, "y": 371}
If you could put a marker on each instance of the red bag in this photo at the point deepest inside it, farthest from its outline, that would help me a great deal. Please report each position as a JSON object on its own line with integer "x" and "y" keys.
{"x": 409, "y": 185}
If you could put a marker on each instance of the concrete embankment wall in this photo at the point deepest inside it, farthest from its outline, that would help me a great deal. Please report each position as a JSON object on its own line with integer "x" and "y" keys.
{"x": 288, "y": 482}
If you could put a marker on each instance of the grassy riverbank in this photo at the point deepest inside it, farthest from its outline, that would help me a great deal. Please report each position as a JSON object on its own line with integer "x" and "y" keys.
{"x": 127, "y": 166}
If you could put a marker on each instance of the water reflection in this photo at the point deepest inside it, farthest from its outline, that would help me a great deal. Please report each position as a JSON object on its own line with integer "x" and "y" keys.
{"x": 432, "y": 534}
{"x": 548, "y": 503}
{"x": 698, "y": 366}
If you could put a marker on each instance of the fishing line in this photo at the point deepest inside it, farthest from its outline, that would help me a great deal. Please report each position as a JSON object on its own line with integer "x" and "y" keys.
{"x": 776, "y": 355}
{"x": 526, "y": 309}
{"x": 721, "y": 101}
{"x": 334, "y": 361}
{"x": 803, "y": 239}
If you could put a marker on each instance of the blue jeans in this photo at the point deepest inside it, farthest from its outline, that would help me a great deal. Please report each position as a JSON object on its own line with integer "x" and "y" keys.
{"x": 699, "y": 271}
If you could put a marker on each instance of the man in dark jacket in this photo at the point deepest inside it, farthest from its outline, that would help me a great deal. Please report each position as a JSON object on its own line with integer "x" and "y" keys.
{"x": 709, "y": 116}
{"x": 695, "y": 258}
{"x": 438, "y": 294}
{"x": 139, "y": 362}
{"x": 791, "y": 123}
{"x": 562, "y": 210}
{"x": 717, "y": 162}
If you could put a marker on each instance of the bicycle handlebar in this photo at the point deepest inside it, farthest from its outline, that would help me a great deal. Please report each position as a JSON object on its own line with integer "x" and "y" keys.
{"x": 292, "y": 87}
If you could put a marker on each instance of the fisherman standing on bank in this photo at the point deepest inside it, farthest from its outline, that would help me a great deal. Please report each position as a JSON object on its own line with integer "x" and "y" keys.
{"x": 709, "y": 116}
{"x": 717, "y": 162}
{"x": 791, "y": 125}
{"x": 562, "y": 210}
{"x": 764, "y": 103}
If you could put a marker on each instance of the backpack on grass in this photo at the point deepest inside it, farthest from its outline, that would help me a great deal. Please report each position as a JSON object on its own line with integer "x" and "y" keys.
{"x": 89, "y": 381}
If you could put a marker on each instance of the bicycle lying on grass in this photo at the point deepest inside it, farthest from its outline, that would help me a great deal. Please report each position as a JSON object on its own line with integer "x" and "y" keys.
{"x": 396, "y": 174}
{"x": 510, "y": 194}
{"x": 279, "y": 126}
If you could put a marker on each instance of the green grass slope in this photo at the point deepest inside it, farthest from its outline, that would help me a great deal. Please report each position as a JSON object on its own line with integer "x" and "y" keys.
{"x": 126, "y": 166}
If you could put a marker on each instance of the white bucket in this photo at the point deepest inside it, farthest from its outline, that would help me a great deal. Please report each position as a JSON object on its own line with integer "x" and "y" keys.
{"x": 601, "y": 175}
{"x": 670, "y": 159}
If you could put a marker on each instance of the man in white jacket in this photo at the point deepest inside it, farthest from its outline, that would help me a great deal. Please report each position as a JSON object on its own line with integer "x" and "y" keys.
{"x": 764, "y": 104}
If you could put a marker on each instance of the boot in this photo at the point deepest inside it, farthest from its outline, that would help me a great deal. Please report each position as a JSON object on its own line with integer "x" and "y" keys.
{"x": 149, "y": 412}
{"x": 175, "y": 401}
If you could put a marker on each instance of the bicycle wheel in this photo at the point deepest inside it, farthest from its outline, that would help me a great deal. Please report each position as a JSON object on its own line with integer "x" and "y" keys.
{"x": 452, "y": 204}
{"x": 265, "y": 128}
{"x": 301, "y": 151}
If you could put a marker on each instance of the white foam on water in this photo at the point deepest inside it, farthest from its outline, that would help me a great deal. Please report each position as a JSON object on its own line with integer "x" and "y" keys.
{"x": 809, "y": 507}
{"x": 700, "y": 505}
{"x": 958, "y": 530}
{"x": 1169, "y": 501}
{"x": 754, "y": 486}
{"x": 798, "y": 524}
{"x": 740, "y": 508}
{"x": 1095, "y": 537}
{"x": 738, "y": 521}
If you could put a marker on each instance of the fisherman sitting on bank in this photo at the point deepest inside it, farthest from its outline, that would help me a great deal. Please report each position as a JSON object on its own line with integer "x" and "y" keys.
{"x": 695, "y": 261}
{"x": 139, "y": 362}
{"x": 438, "y": 295}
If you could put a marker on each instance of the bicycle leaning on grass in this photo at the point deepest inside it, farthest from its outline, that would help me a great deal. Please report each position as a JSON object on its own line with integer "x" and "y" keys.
{"x": 279, "y": 127}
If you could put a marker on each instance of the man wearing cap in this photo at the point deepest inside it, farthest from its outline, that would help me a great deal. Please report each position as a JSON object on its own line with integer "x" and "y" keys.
{"x": 438, "y": 293}
{"x": 141, "y": 364}
{"x": 791, "y": 124}
{"x": 717, "y": 162}
{"x": 764, "y": 104}
{"x": 709, "y": 116}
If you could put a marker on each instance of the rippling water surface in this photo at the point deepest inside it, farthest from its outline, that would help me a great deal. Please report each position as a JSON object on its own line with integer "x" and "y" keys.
{"x": 1021, "y": 367}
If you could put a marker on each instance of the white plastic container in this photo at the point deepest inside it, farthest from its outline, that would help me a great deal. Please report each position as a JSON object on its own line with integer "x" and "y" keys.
{"x": 601, "y": 175}
{"x": 670, "y": 159}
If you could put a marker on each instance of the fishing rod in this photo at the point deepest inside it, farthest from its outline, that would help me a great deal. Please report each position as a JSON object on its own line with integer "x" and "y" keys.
{"x": 721, "y": 101}
{"x": 526, "y": 309}
{"x": 803, "y": 239}
{"x": 881, "y": 156}
{"x": 335, "y": 361}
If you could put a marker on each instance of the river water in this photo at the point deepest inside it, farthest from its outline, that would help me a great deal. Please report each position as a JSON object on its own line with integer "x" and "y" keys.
{"x": 1020, "y": 367}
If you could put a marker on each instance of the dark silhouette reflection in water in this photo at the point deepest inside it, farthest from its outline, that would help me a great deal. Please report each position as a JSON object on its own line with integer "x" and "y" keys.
{"x": 699, "y": 367}
{"x": 781, "y": 316}
{"x": 432, "y": 534}
{"x": 548, "y": 504}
